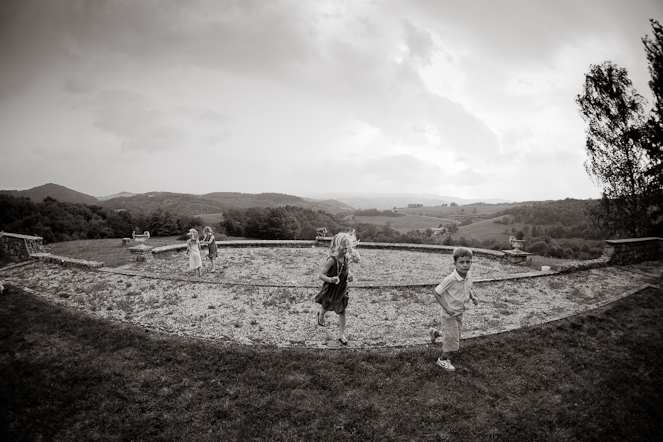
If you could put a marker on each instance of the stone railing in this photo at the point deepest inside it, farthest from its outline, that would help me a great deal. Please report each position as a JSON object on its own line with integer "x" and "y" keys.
{"x": 634, "y": 250}
{"x": 17, "y": 247}
{"x": 324, "y": 242}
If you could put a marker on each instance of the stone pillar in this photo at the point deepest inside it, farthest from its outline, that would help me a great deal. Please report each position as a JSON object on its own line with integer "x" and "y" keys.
{"x": 141, "y": 253}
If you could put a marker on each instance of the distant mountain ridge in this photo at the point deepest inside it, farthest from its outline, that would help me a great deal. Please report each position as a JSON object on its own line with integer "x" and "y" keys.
{"x": 115, "y": 195}
{"x": 217, "y": 202}
{"x": 188, "y": 204}
{"x": 177, "y": 203}
{"x": 383, "y": 201}
{"x": 60, "y": 193}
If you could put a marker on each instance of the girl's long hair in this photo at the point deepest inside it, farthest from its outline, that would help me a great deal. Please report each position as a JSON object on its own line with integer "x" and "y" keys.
{"x": 347, "y": 240}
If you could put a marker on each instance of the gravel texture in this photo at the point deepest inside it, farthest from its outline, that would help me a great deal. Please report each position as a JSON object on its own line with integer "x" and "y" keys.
{"x": 264, "y": 296}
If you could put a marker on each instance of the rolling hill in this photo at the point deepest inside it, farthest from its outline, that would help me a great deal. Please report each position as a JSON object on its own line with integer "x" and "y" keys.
{"x": 177, "y": 203}
{"x": 60, "y": 193}
{"x": 382, "y": 201}
{"x": 213, "y": 203}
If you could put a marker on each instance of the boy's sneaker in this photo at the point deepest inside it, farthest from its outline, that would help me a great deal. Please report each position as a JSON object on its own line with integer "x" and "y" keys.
{"x": 433, "y": 334}
{"x": 446, "y": 364}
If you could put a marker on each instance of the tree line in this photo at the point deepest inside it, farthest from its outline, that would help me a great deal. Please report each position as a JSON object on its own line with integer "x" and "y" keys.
{"x": 568, "y": 218}
{"x": 57, "y": 221}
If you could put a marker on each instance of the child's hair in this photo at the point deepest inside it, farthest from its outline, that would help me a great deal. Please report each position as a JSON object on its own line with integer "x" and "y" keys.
{"x": 347, "y": 240}
{"x": 461, "y": 251}
{"x": 193, "y": 233}
{"x": 207, "y": 230}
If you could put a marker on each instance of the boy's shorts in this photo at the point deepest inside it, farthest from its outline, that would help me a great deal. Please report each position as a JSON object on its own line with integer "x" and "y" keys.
{"x": 450, "y": 332}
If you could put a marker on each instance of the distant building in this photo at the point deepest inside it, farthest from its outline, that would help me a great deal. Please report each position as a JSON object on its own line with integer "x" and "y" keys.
{"x": 436, "y": 231}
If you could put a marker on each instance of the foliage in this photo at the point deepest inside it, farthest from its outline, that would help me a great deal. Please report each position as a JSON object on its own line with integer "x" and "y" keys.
{"x": 289, "y": 222}
{"x": 566, "y": 218}
{"x": 654, "y": 127}
{"x": 623, "y": 146}
{"x": 57, "y": 221}
{"x": 376, "y": 212}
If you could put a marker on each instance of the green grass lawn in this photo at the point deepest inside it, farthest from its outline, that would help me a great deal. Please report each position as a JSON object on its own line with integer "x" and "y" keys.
{"x": 210, "y": 219}
{"x": 67, "y": 376}
{"x": 109, "y": 251}
{"x": 404, "y": 224}
{"x": 486, "y": 229}
{"x": 458, "y": 211}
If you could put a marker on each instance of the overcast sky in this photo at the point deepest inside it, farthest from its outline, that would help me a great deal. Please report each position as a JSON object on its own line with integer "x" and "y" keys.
{"x": 473, "y": 99}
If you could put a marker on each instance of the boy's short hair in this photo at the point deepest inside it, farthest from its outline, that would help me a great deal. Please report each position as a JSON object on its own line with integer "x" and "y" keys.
{"x": 461, "y": 251}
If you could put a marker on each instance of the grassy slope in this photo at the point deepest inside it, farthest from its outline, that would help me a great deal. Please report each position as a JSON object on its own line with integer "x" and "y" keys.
{"x": 67, "y": 376}
{"x": 425, "y": 217}
{"x": 488, "y": 229}
{"x": 481, "y": 229}
{"x": 211, "y": 218}
{"x": 403, "y": 224}
{"x": 451, "y": 211}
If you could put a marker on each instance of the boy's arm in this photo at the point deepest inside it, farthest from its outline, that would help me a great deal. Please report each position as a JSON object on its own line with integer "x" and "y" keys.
{"x": 473, "y": 297}
{"x": 439, "y": 296}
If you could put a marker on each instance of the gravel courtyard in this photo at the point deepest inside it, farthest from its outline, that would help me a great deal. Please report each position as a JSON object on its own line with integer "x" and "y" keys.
{"x": 263, "y": 296}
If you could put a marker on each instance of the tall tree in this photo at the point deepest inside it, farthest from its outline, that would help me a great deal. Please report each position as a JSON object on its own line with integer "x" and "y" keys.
{"x": 616, "y": 161}
{"x": 654, "y": 129}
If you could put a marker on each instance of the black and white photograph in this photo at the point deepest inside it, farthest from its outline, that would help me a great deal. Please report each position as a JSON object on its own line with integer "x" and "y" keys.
{"x": 331, "y": 220}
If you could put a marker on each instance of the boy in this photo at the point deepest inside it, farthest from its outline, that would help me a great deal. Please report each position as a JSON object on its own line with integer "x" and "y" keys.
{"x": 454, "y": 295}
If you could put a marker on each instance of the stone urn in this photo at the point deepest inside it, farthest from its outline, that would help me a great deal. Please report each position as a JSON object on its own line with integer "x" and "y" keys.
{"x": 517, "y": 244}
{"x": 141, "y": 252}
{"x": 141, "y": 238}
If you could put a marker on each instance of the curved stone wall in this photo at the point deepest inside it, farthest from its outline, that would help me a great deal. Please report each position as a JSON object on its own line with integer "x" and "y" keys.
{"x": 17, "y": 248}
{"x": 634, "y": 250}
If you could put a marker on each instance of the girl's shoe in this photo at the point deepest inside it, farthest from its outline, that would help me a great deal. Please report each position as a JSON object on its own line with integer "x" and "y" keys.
{"x": 343, "y": 340}
{"x": 433, "y": 334}
{"x": 446, "y": 364}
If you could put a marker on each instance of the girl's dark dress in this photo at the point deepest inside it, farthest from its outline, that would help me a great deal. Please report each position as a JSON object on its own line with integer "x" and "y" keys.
{"x": 335, "y": 296}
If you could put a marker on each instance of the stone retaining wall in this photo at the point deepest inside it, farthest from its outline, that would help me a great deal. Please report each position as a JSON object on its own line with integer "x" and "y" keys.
{"x": 634, "y": 250}
{"x": 429, "y": 248}
{"x": 66, "y": 261}
{"x": 17, "y": 247}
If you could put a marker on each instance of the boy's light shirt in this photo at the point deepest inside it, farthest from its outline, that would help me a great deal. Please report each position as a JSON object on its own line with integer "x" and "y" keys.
{"x": 456, "y": 292}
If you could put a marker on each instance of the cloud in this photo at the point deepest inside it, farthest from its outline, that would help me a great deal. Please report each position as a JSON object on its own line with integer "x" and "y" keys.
{"x": 413, "y": 95}
{"x": 137, "y": 122}
{"x": 420, "y": 42}
{"x": 398, "y": 169}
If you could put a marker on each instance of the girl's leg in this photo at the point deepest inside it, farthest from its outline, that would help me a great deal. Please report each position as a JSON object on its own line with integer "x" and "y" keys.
{"x": 341, "y": 325}
{"x": 321, "y": 316}
{"x": 213, "y": 268}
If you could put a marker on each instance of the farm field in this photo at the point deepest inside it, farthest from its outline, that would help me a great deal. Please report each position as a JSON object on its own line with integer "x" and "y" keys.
{"x": 481, "y": 230}
{"x": 488, "y": 229}
{"x": 404, "y": 224}
{"x": 451, "y": 211}
{"x": 211, "y": 218}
